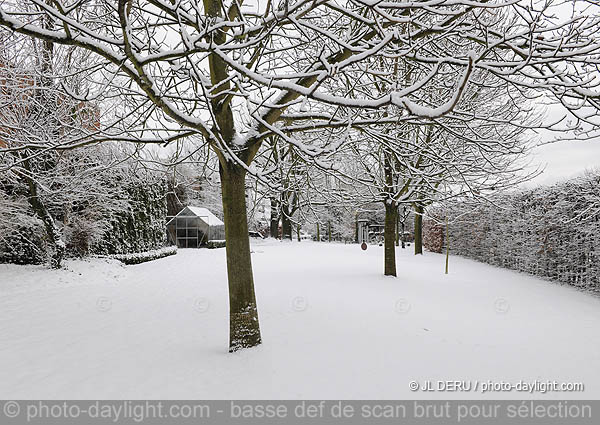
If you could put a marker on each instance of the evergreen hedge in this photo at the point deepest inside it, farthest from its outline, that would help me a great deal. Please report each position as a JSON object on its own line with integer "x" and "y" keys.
{"x": 141, "y": 227}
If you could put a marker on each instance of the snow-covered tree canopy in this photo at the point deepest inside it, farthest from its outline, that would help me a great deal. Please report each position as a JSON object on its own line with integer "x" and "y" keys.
{"x": 228, "y": 71}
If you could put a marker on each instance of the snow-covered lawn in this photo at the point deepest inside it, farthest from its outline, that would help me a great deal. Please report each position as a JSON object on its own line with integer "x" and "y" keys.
{"x": 333, "y": 327}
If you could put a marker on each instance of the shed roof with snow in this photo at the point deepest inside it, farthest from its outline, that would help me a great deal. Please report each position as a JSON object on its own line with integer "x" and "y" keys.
{"x": 193, "y": 227}
{"x": 204, "y": 214}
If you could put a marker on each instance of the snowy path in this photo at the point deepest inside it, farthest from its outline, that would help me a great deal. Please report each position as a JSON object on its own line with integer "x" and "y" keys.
{"x": 333, "y": 327}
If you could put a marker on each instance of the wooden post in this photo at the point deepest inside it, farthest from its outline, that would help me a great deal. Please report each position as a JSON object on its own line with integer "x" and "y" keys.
{"x": 447, "y": 245}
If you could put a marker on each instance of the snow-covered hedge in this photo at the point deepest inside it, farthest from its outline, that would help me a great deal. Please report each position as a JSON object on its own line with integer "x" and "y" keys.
{"x": 23, "y": 244}
{"x": 552, "y": 232}
{"x": 141, "y": 227}
{"x": 215, "y": 244}
{"x": 142, "y": 257}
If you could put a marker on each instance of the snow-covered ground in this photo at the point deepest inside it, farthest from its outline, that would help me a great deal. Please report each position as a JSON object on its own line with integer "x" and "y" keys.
{"x": 333, "y": 327}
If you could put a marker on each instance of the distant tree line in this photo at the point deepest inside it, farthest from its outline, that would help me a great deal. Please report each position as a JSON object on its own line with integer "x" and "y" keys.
{"x": 552, "y": 232}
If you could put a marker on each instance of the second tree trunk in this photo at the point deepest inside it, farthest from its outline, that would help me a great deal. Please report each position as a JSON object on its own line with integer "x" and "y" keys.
{"x": 244, "y": 330}
{"x": 418, "y": 229}
{"x": 274, "y": 221}
{"x": 389, "y": 235}
{"x": 286, "y": 225}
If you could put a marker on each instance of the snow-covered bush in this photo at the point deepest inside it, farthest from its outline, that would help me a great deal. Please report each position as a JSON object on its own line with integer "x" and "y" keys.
{"x": 79, "y": 234}
{"x": 142, "y": 257}
{"x": 23, "y": 244}
{"x": 21, "y": 235}
{"x": 215, "y": 244}
{"x": 552, "y": 232}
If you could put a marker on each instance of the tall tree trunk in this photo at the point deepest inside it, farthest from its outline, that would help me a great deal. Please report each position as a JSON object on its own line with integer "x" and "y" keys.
{"x": 318, "y": 233}
{"x": 402, "y": 237}
{"x": 447, "y": 245}
{"x": 274, "y": 223}
{"x": 389, "y": 235}
{"x": 329, "y": 230}
{"x": 397, "y": 228}
{"x": 52, "y": 231}
{"x": 418, "y": 229}
{"x": 286, "y": 224}
{"x": 244, "y": 330}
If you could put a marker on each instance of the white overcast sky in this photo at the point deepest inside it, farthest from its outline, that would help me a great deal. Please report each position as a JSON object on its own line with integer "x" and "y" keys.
{"x": 564, "y": 160}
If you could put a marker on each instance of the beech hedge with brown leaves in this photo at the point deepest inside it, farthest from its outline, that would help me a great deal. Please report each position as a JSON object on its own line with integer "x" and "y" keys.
{"x": 552, "y": 232}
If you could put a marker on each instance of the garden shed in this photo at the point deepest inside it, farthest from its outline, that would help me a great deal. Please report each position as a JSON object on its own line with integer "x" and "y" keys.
{"x": 194, "y": 227}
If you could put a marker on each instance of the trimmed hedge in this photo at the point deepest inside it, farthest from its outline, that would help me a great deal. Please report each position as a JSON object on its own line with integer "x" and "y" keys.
{"x": 142, "y": 257}
{"x": 551, "y": 232}
{"x": 215, "y": 244}
{"x": 141, "y": 227}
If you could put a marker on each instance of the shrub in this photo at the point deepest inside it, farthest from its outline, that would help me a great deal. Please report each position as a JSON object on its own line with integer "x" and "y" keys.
{"x": 142, "y": 257}
{"x": 215, "y": 244}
